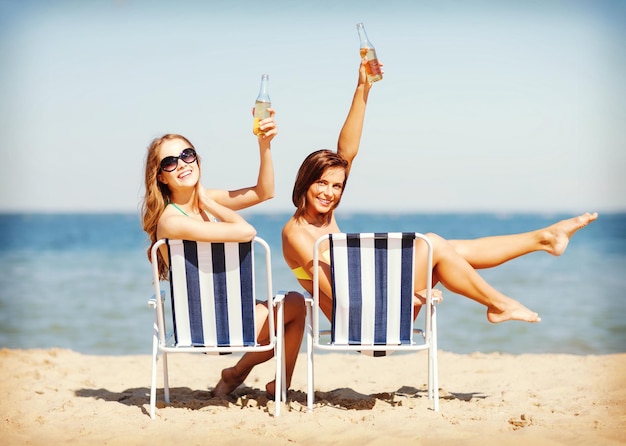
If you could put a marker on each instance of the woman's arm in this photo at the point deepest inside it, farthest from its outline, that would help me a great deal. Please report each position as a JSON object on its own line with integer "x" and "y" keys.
{"x": 298, "y": 251}
{"x": 350, "y": 135}
{"x": 231, "y": 227}
{"x": 264, "y": 188}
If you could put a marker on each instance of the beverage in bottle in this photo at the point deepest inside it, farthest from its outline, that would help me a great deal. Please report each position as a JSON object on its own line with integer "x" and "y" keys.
{"x": 261, "y": 105}
{"x": 367, "y": 50}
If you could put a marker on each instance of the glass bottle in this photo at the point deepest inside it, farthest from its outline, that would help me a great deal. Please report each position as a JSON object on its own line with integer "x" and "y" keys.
{"x": 261, "y": 105}
{"x": 367, "y": 49}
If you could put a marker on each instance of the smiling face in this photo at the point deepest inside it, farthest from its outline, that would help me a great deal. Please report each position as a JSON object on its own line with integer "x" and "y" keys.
{"x": 324, "y": 194}
{"x": 319, "y": 184}
{"x": 184, "y": 175}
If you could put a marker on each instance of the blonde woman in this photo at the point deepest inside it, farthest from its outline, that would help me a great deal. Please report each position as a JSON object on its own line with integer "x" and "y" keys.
{"x": 177, "y": 206}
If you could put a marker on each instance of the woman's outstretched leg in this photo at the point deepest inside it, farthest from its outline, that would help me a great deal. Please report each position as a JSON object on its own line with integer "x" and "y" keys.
{"x": 233, "y": 377}
{"x": 487, "y": 252}
{"x": 457, "y": 275}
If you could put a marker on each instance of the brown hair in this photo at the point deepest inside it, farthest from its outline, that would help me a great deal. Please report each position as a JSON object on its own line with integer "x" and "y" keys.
{"x": 311, "y": 170}
{"x": 157, "y": 194}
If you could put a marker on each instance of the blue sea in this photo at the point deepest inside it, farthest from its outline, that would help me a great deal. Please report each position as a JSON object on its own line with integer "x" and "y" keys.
{"x": 82, "y": 282}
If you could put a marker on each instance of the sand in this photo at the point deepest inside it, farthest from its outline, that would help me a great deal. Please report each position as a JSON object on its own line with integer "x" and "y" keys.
{"x": 59, "y": 396}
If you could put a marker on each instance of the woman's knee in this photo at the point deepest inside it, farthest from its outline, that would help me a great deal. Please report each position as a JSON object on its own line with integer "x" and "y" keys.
{"x": 294, "y": 305}
{"x": 439, "y": 244}
{"x": 435, "y": 241}
{"x": 435, "y": 238}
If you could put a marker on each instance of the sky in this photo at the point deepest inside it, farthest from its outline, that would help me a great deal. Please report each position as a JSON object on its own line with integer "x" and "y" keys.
{"x": 485, "y": 106}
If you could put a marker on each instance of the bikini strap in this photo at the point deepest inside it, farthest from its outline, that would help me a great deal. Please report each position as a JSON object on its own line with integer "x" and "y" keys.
{"x": 174, "y": 204}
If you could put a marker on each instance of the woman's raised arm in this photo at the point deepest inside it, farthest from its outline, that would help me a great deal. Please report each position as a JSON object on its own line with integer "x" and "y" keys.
{"x": 350, "y": 135}
{"x": 264, "y": 188}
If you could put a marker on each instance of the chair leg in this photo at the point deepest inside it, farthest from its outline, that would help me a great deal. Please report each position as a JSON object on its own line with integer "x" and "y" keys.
{"x": 434, "y": 346}
{"x": 429, "y": 337}
{"x": 279, "y": 357}
{"x": 166, "y": 383}
{"x": 155, "y": 353}
{"x": 309, "y": 355}
{"x": 284, "y": 374}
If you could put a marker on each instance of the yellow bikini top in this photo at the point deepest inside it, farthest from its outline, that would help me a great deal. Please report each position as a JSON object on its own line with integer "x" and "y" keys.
{"x": 301, "y": 273}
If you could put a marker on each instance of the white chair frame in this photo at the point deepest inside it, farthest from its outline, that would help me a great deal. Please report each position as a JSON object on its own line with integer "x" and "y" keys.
{"x": 162, "y": 341}
{"x": 428, "y": 334}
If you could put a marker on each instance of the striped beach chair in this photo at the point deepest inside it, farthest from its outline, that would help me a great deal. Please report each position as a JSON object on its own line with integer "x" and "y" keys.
{"x": 212, "y": 305}
{"x": 372, "y": 284}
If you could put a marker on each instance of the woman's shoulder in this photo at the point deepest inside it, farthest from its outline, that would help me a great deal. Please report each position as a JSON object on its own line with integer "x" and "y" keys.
{"x": 169, "y": 220}
{"x": 295, "y": 230}
{"x": 290, "y": 227}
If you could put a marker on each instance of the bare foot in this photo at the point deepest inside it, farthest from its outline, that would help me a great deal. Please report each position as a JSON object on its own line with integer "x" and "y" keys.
{"x": 420, "y": 296}
{"x": 229, "y": 382}
{"x": 270, "y": 388}
{"x": 559, "y": 234}
{"x": 514, "y": 312}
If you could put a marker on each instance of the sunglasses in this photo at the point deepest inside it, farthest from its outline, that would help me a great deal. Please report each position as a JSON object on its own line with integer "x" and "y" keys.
{"x": 170, "y": 163}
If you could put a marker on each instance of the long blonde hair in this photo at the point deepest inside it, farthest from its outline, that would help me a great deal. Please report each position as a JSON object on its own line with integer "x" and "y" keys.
{"x": 157, "y": 195}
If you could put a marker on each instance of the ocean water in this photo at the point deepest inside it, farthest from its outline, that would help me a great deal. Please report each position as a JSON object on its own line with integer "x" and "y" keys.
{"x": 82, "y": 282}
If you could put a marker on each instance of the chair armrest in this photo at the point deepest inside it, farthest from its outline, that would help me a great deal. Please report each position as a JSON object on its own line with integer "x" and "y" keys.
{"x": 308, "y": 299}
{"x": 152, "y": 300}
{"x": 280, "y": 296}
{"x": 439, "y": 298}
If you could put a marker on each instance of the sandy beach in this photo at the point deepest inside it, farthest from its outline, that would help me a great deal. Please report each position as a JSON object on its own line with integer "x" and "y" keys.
{"x": 62, "y": 397}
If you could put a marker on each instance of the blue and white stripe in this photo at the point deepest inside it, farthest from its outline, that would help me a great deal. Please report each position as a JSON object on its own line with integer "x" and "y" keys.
{"x": 366, "y": 272}
{"x": 212, "y": 289}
